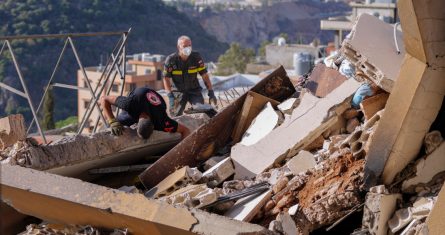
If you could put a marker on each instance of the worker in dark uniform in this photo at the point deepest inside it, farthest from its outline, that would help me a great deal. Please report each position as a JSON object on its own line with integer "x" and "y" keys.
{"x": 145, "y": 107}
{"x": 183, "y": 67}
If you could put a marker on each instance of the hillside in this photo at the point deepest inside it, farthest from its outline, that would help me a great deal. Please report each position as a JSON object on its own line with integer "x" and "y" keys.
{"x": 155, "y": 28}
{"x": 300, "y": 20}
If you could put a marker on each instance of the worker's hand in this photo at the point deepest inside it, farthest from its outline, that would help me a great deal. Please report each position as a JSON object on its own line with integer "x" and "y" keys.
{"x": 171, "y": 102}
{"x": 116, "y": 127}
{"x": 212, "y": 98}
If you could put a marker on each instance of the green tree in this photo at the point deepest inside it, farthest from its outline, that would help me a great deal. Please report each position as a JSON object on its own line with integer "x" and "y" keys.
{"x": 48, "y": 110}
{"x": 235, "y": 59}
{"x": 285, "y": 36}
{"x": 262, "y": 49}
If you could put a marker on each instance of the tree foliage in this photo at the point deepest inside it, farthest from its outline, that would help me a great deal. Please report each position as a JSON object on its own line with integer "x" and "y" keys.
{"x": 235, "y": 59}
{"x": 48, "y": 111}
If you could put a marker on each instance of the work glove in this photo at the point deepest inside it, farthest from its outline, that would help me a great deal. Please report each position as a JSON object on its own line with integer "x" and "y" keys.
{"x": 116, "y": 127}
{"x": 171, "y": 102}
{"x": 212, "y": 98}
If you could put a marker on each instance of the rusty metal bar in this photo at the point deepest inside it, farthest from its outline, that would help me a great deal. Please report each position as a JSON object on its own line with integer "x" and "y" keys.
{"x": 49, "y": 83}
{"x": 64, "y": 35}
{"x": 85, "y": 77}
{"x": 25, "y": 88}
{"x": 101, "y": 89}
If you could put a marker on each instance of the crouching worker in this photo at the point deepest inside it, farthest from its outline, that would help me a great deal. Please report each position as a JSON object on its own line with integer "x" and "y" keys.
{"x": 145, "y": 107}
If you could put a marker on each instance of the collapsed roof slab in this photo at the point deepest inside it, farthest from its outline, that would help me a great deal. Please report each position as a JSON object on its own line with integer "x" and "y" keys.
{"x": 323, "y": 80}
{"x": 70, "y": 201}
{"x": 371, "y": 48}
{"x": 308, "y": 121}
{"x": 417, "y": 95}
{"x": 202, "y": 143}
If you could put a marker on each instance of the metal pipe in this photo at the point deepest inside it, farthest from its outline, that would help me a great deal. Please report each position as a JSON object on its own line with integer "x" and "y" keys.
{"x": 13, "y": 90}
{"x": 101, "y": 89}
{"x": 17, "y": 67}
{"x": 395, "y": 37}
{"x": 63, "y": 35}
{"x": 3, "y": 46}
{"x": 86, "y": 79}
{"x": 124, "y": 65}
{"x": 72, "y": 87}
{"x": 49, "y": 83}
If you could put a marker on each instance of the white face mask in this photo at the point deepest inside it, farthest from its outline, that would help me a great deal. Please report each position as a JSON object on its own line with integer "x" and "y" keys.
{"x": 187, "y": 51}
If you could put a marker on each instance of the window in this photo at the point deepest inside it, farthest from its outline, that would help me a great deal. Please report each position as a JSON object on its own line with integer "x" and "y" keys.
{"x": 85, "y": 104}
{"x": 147, "y": 71}
{"x": 159, "y": 75}
{"x": 115, "y": 88}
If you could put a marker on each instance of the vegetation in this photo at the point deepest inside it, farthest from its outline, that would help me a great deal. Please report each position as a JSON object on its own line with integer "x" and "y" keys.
{"x": 235, "y": 59}
{"x": 48, "y": 111}
{"x": 66, "y": 122}
{"x": 155, "y": 29}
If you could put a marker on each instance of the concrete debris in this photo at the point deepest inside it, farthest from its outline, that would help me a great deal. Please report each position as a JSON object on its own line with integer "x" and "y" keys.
{"x": 352, "y": 124}
{"x": 426, "y": 169}
{"x": 432, "y": 141}
{"x": 400, "y": 219}
{"x": 287, "y": 223}
{"x": 262, "y": 125}
{"x": 129, "y": 189}
{"x": 245, "y": 209}
{"x": 302, "y": 162}
{"x": 195, "y": 196}
{"x": 308, "y": 121}
{"x": 379, "y": 207}
{"x": 288, "y": 106}
{"x": 175, "y": 181}
{"x": 12, "y": 129}
{"x": 350, "y": 113}
{"x": 435, "y": 222}
{"x": 293, "y": 210}
{"x": 379, "y": 60}
{"x": 373, "y": 104}
{"x": 212, "y": 162}
{"x": 218, "y": 173}
{"x": 323, "y": 80}
{"x": 47, "y": 228}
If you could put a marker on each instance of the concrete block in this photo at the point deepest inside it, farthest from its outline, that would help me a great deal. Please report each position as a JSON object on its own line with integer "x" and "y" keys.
{"x": 287, "y": 223}
{"x": 262, "y": 125}
{"x": 411, "y": 109}
{"x": 195, "y": 196}
{"x": 378, "y": 209}
{"x": 400, "y": 219}
{"x": 427, "y": 168}
{"x": 432, "y": 141}
{"x": 373, "y": 104}
{"x": 323, "y": 80}
{"x": 302, "y": 162}
{"x": 422, "y": 207}
{"x": 53, "y": 196}
{"x": 371, "y": 49}
{"x": 175, "y": 181}
{"x": 245, "y": 209}
{"x": 213, "y": 161}
{"x": 435, "y": 222}
{"x": 12, "y": 129}
{"x": 308, "y": 121}
{"x": 220, "y": 172}
{"x": 275, "y": 226}
{"x": 288, "y": 105}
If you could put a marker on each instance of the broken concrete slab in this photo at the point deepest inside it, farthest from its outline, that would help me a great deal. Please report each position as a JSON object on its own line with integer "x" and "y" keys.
{"x": 411, "y": 109}
{"x": 378, "y": 210}
{"x": 175, "y": 181}
{"x": 287, "y": 223}
{"x": 195, "y": 196}
{"x": 373, "y": 104}
{"x": 220, "y": 172}
{"x": 435, "y": 221}
{"x": 323, "y": 80}
{"x": 213, "y": 161}
{"x": 253, "y": 105}
{"x": 302, "y": 162}
{"x": 308, "y": 121}
{"x": 423, "y": 31}
{"x": 98, "y": 206}
{"x": 400, "y": 219}
{"x": 261, "y": 126}
{"x": 288, "y": 105}
{"x": 218, "y": 131}
{"x": 245, "y": 209}
{"x": 371, "y": 49}
{"x": 12, "y": 129}
{"x": 426, "y": 169}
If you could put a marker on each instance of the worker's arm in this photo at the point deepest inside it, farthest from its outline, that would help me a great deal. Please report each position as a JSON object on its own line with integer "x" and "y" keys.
{"x": 207, "y": 82}
{"x": 167, "y": 85}
{"x": 106, "y": 102}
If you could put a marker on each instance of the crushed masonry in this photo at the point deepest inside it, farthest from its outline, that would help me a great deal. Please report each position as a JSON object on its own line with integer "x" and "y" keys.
{"x": 379, "y": 61}
{"x": 12, "y": 129}
{"x": 373, "y": 104}
{"x": 218, "y": 173}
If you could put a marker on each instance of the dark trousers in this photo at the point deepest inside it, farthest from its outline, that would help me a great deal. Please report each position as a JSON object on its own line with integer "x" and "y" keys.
{"x": 192, "y": 96}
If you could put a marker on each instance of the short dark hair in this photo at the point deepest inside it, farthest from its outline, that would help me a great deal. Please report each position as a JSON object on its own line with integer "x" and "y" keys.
{"x": 145, "y": 128}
